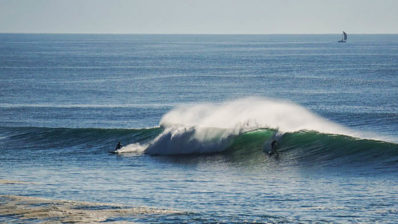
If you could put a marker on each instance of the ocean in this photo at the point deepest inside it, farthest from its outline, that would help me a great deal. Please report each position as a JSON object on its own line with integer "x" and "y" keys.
{"x": 196, "y": 115}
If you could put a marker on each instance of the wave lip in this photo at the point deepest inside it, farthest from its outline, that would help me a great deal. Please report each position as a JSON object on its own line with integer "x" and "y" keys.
{"x": 250, "y": 114}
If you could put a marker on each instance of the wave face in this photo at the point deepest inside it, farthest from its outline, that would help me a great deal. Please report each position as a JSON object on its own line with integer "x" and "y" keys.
{"x": 315, "y": 148}
{"x": 294, "y": 147}
{"x": 71, "y": 138}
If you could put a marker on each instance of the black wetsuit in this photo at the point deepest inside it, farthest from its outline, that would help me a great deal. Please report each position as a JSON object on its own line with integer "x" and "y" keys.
{"x": 118, "y": 146}
{"x": 273, "y": 148}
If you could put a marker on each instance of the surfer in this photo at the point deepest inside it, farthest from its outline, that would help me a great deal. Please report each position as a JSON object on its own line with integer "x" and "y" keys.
{"x": 118, "y": 146}
{"x": 273, "y": 148}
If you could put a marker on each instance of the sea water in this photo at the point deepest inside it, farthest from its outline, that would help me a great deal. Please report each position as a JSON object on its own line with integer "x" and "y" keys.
{"x": 196, "y": 114}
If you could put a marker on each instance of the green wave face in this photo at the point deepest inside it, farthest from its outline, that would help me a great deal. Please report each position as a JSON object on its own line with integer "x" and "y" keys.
{"x": 304, "y": 147}
{"x": 38, "y": 138}
{"x": 314, "y": 148}
{"x": 251, "y": 141}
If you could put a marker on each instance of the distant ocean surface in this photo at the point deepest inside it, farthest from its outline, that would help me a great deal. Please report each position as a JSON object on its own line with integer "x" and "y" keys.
{"x": 196, "y": 115}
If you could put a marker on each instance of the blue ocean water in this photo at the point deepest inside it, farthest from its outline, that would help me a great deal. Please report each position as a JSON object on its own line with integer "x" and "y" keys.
{"x": 196, "y": 113}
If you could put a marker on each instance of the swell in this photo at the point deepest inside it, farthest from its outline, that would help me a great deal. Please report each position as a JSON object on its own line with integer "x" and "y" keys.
{"x": 300, "y": 146}
{"x": 60, "y": 138}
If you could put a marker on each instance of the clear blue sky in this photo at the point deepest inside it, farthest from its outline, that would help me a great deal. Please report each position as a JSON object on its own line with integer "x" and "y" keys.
{"x": 198, "y": 16}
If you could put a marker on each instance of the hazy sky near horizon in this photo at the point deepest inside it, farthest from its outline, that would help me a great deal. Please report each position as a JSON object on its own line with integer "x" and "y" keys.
{"x": 199, "y": 16}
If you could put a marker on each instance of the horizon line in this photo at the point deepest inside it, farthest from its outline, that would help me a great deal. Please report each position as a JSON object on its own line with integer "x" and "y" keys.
{"x": 100, "y": 33}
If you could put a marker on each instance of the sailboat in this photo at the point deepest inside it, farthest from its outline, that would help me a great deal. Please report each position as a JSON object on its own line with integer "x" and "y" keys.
{"x": 344, "y": 38}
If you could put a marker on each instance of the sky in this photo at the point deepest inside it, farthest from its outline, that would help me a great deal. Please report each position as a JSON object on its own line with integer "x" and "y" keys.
{"x": 199, "y": 16}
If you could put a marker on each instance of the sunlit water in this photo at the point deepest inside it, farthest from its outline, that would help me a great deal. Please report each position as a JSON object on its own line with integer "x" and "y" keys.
{"x": 66, "y": 100}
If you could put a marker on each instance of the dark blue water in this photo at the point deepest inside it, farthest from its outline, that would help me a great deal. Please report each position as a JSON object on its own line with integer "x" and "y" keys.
{"x": 66, "y": 100}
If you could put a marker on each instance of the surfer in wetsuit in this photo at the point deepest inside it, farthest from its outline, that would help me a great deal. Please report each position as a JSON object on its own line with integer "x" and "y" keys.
{"x": 118, "y": 146}
{"x": 273, "y": 148}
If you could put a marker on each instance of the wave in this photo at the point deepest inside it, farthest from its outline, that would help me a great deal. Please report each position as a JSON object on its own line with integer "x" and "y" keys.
{"x": 242, "y": 127}
{"x": 246, "y": 127}
{"x": 304, "y": 146}
{"x": 209, "y": 128}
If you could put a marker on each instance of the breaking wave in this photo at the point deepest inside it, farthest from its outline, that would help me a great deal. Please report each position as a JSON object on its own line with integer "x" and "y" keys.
{"x": 209, "y": 128}
{"x": 241, "y": 127}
